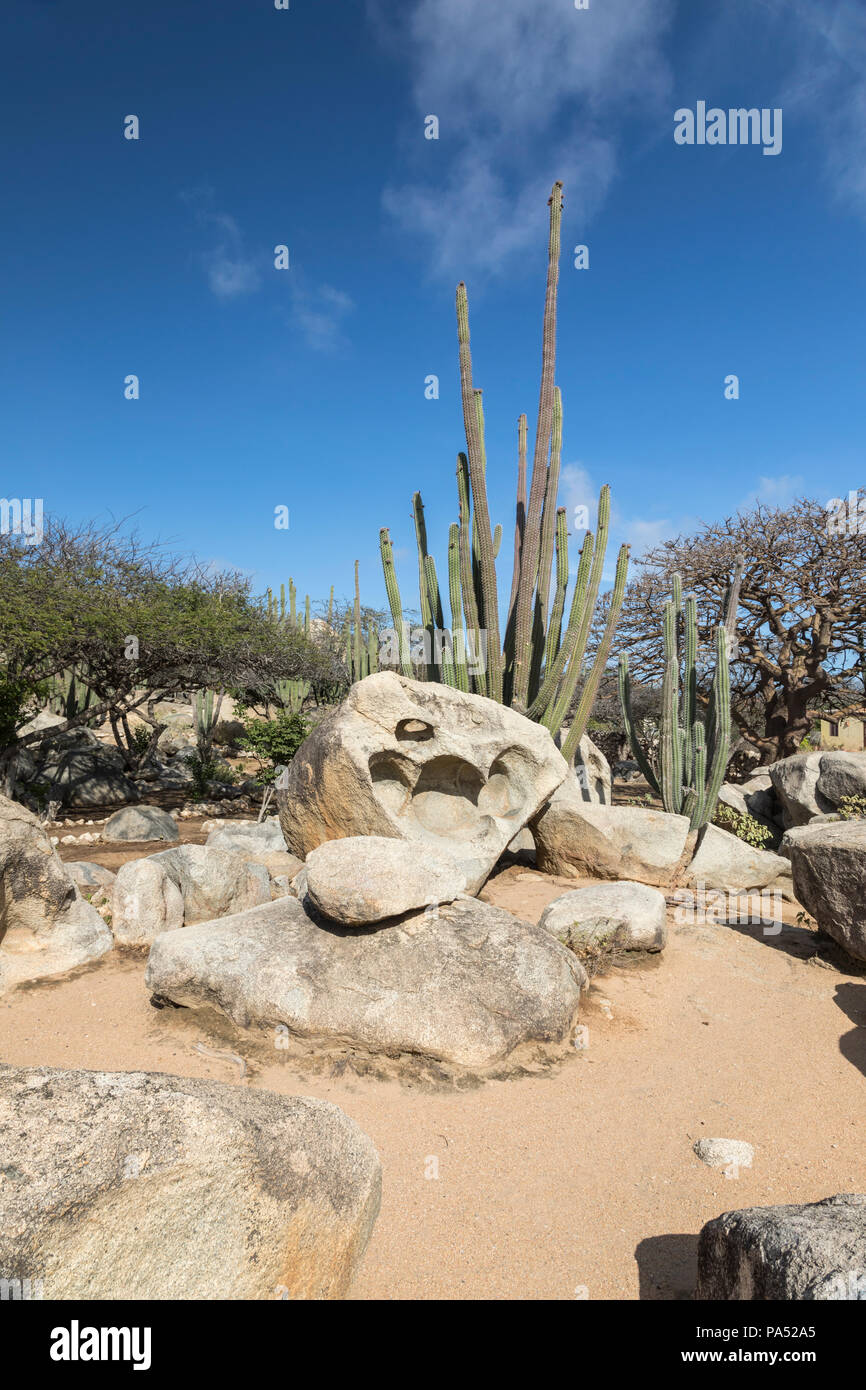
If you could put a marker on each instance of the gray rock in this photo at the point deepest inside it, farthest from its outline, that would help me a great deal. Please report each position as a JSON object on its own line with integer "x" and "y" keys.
{"x": 421, "y": 762}
{"x": 140, "y": 823}
{"x": 721, "y": 1153}
{"x": 627, "y": 916}
{"x": 46, "y": 927}
{"x": 136, "y": 1185}
{"x": 732, "y": 796}
{"x": 88, "y": 875}
{"x": 367, "y": 878}
{"x": 828, "y": 862}
{"x": 213, "y": 882}
{"x": 91, "y": 777}
{"x": 811, "y": 783}
{"x": 144, "y": 902}
{"x": 725, "y": 861}
{"x": 592, "y": 773}
{"x": 814, "y": 1252}
{"x": 579, "y": 840}
{"x": 240, "y": 836}
{"x": 466, "y": 984}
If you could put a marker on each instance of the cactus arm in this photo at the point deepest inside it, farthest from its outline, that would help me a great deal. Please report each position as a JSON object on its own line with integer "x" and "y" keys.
{"x": 392, "y": 589}
{"x": 554, "y": 629}
{"x": 721, "y": 698}
{"x": 519, "y": 525}
{"x": 590, "y": 688}
{"x": 690, "y": 686}
{"x": 461, "y": 677}
{"x": 473, "y": 424}
{"x": 553, "y": 676}
{"x": 640, "y": 757}
{"x": 670, "y": 762}
{"x": 467, "y": 584}
{"x": 558, "y": 709}
{"x": 544, "y": 426}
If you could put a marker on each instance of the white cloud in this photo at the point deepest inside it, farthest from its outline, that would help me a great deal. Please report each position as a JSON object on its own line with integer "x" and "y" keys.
{"x": 318, "y": 312}
{"x": 775, "y": 492}
{"x": 231, "y": 271}
{"x": 526, "y": 91}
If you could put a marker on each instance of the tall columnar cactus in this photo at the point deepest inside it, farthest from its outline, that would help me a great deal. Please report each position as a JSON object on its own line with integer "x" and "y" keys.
{"x": 537, "y": 664}
{"x": 693, "y": 753}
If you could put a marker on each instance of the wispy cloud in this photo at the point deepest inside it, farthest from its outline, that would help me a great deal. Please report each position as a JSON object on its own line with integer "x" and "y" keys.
{"x": 525, "y": 92}
{"x": 230, "y": 269}
{"x": 319, "y": 313}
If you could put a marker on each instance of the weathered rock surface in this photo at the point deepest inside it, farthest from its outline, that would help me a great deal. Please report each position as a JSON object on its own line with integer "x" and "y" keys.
{"x": 84, "y": 772}
{"x": 213, "y": 882}
{"x": 810, "y": 783}
{"x": 466, "y": 984}
{"x": 46, "y": 927}
{"x": 828, "y": 863}
{"x": 88, "y": 875}
{"x": 725, "y": 861}
{"x": 592, "y": 773}
{"x": 367, "y": 878}
{"x": 248, "y": 839}
{"x": 424, "y": 763}
{"x": 813, "y": 1252}
{"x": 575, "y": 839}
{"x": 626, "y": 916}
{"x": 136, "y": 1185}
{"x": 140, "y": 823}
{"x": 144, "y": 902}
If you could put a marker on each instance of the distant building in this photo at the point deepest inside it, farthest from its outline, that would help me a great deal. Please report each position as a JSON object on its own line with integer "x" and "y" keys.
{"x": 842, "y": 728}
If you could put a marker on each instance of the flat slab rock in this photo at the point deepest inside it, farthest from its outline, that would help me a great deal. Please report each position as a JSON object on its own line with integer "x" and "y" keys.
{"x": 466, "y": 985}
{"x": 813, "y": 1252}
{"x": 137, "y": 1185}
{"x": 140, "y": 823}
{"x": 367, "y": 878}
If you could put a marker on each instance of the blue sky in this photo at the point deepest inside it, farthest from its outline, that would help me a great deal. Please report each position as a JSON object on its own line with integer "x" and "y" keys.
{"x": 305, "y": 388}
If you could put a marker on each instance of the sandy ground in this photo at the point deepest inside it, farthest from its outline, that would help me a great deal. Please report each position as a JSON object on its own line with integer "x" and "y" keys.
{"x": 576, "y": 1184}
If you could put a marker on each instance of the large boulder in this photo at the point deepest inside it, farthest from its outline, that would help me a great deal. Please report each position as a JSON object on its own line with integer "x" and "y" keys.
{"x": 144, "y": 902}
{"x": 89, "y": 875}
{"x": 724, "y": 861}
{"x": 576, "y": 839}
{"x": 814, "y": 1252}
{"x": 420, "y": 762}
{"x": 367, "y": 878}
{"x": 466, "y": 984}
{"x": 140, "y": 823}
{"x": 247, "y": 837}
{"x": 46, "y": 927}
{"x": 84, "y": 772}
{"x": 608, "y": 916}
{"x": 811, "y": 783}
{"x": 137, "y": 1185}
{"x": 828, "y": 862}
{"x": 213, "y": 882}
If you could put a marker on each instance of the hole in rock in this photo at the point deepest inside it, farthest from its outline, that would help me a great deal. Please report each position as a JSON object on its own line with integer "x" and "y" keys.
{"x": 413, "y": 731}
{"x": 392, "y": 781}
{"x": 445, "y": 800}
{"x": 505, "y": 791}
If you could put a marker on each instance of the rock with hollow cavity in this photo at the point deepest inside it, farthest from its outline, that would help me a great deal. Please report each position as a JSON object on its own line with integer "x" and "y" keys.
{"x": 367, "y": 878}
{"x": 576, "y": 839}
{"x": 466, "y": 984}
{"x": 422, "y": 762}
{"x": 137, "y": 1185}
{"x": 46, "y": 927}
{"x": 607, "y": 916}
{"x": 811, "y": 1253}
{"x": 140, "y": 823}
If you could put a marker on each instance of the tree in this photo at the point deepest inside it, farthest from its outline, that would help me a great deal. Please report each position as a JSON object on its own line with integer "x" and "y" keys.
{"x": 801, "y": 618}
{"x": 134, "y": 625}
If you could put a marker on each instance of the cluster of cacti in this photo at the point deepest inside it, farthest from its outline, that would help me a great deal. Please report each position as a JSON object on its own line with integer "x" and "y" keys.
{"x": 292, "y": 694}
{"x": 69, "y": 696}
{"x": 537, "y": 665}
{"x": 206, "y": 713}
{"x": 280, "y": 613}
{"x": 693, "y": 751}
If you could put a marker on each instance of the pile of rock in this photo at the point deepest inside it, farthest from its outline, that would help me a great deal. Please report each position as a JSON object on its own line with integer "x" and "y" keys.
{"x": 384, "y": 954}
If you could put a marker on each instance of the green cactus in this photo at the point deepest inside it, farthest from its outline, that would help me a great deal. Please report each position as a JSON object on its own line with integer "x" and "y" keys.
{"x": 693, "y": 753}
